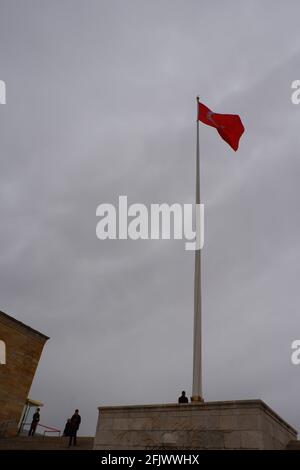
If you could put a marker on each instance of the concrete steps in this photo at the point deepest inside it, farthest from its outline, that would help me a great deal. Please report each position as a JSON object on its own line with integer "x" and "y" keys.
{"x": 61, "y": 443}
{"x": 293, "y": 445}
{"x": 44, "y": 443}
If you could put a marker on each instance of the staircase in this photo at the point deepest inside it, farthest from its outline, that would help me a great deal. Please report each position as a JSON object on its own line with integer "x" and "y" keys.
{"x": 293, "y": 445}
{"x": 61, "y": 443}
{"x": 44, "y": 443}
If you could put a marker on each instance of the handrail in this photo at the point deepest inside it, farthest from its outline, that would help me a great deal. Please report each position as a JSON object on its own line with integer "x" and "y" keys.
{"x": 47, "y": 428}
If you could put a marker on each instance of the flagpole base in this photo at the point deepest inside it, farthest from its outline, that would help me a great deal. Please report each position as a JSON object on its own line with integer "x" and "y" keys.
{"x": 197, "y": 399}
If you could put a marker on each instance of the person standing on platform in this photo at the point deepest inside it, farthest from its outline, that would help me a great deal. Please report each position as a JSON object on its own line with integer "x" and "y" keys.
{"x": 183, "y": 398}
{"x": 34, "y": 423}
{"x": 74, "y": 425}
{"x": 67, "y": 428}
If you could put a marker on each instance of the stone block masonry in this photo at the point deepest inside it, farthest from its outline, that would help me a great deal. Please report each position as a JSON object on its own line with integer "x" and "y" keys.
{"x": 23, "y": 347}
{"x": 245, "y": 424}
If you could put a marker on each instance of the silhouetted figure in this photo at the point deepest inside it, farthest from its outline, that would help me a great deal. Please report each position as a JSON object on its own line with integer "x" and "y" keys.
{"x": 74, "y": 425}
{"x": 34, "y": 423}
{"x": 67, "y": 430}
{"x": 183, "y": 398}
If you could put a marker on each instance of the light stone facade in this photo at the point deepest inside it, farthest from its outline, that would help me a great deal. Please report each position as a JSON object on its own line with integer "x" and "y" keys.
{"x": 245, "y": 424}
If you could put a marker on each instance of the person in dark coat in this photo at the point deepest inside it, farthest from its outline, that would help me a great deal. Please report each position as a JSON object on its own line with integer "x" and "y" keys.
{"x": 183, "y": 398}
{"x": 67, "y": 428}
{"x": 74, "y": 425}
{"x": 34, "y": 423}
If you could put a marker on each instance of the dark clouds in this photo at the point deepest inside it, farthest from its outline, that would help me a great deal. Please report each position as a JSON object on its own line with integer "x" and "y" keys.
{"x": 100, "y": 103}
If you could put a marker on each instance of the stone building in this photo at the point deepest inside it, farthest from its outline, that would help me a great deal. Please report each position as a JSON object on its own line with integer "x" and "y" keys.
{"x": 234, "y": 425}
{"x": 20, "y": 350}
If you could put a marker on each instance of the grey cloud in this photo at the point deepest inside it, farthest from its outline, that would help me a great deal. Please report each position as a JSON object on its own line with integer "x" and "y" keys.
{"x": 101, "y": 102}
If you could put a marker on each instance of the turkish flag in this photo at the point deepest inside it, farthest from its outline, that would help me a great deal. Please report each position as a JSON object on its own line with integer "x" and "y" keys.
{"x": 229, "y": 126}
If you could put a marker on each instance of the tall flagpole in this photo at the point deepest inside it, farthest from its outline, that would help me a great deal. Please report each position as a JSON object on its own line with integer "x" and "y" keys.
{"x": 197, "y": 353}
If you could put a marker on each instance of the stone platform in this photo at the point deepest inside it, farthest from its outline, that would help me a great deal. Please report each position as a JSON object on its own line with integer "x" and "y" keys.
{"x": 245, "y": 424}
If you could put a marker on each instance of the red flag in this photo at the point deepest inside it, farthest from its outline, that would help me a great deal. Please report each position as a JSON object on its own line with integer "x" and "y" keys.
{"x": 229, "y": 126}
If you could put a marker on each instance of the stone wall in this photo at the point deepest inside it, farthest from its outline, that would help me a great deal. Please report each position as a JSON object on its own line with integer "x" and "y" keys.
{"x": 247, "y": 424}
{"x": 23, "y": 350}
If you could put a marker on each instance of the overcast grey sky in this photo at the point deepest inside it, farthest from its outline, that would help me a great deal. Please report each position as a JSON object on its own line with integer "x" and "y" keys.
{"x": 101, "y": 103}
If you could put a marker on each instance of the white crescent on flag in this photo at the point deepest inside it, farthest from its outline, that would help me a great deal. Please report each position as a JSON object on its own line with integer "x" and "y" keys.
{"x": 209, "y": 116}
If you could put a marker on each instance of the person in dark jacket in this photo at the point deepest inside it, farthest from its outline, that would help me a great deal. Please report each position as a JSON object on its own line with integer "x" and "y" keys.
{"x": 67, "y": 428}
{"x": 183, "y": 398}
{"x": 74, "y": 425}
{"x": 34, "y": 423}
